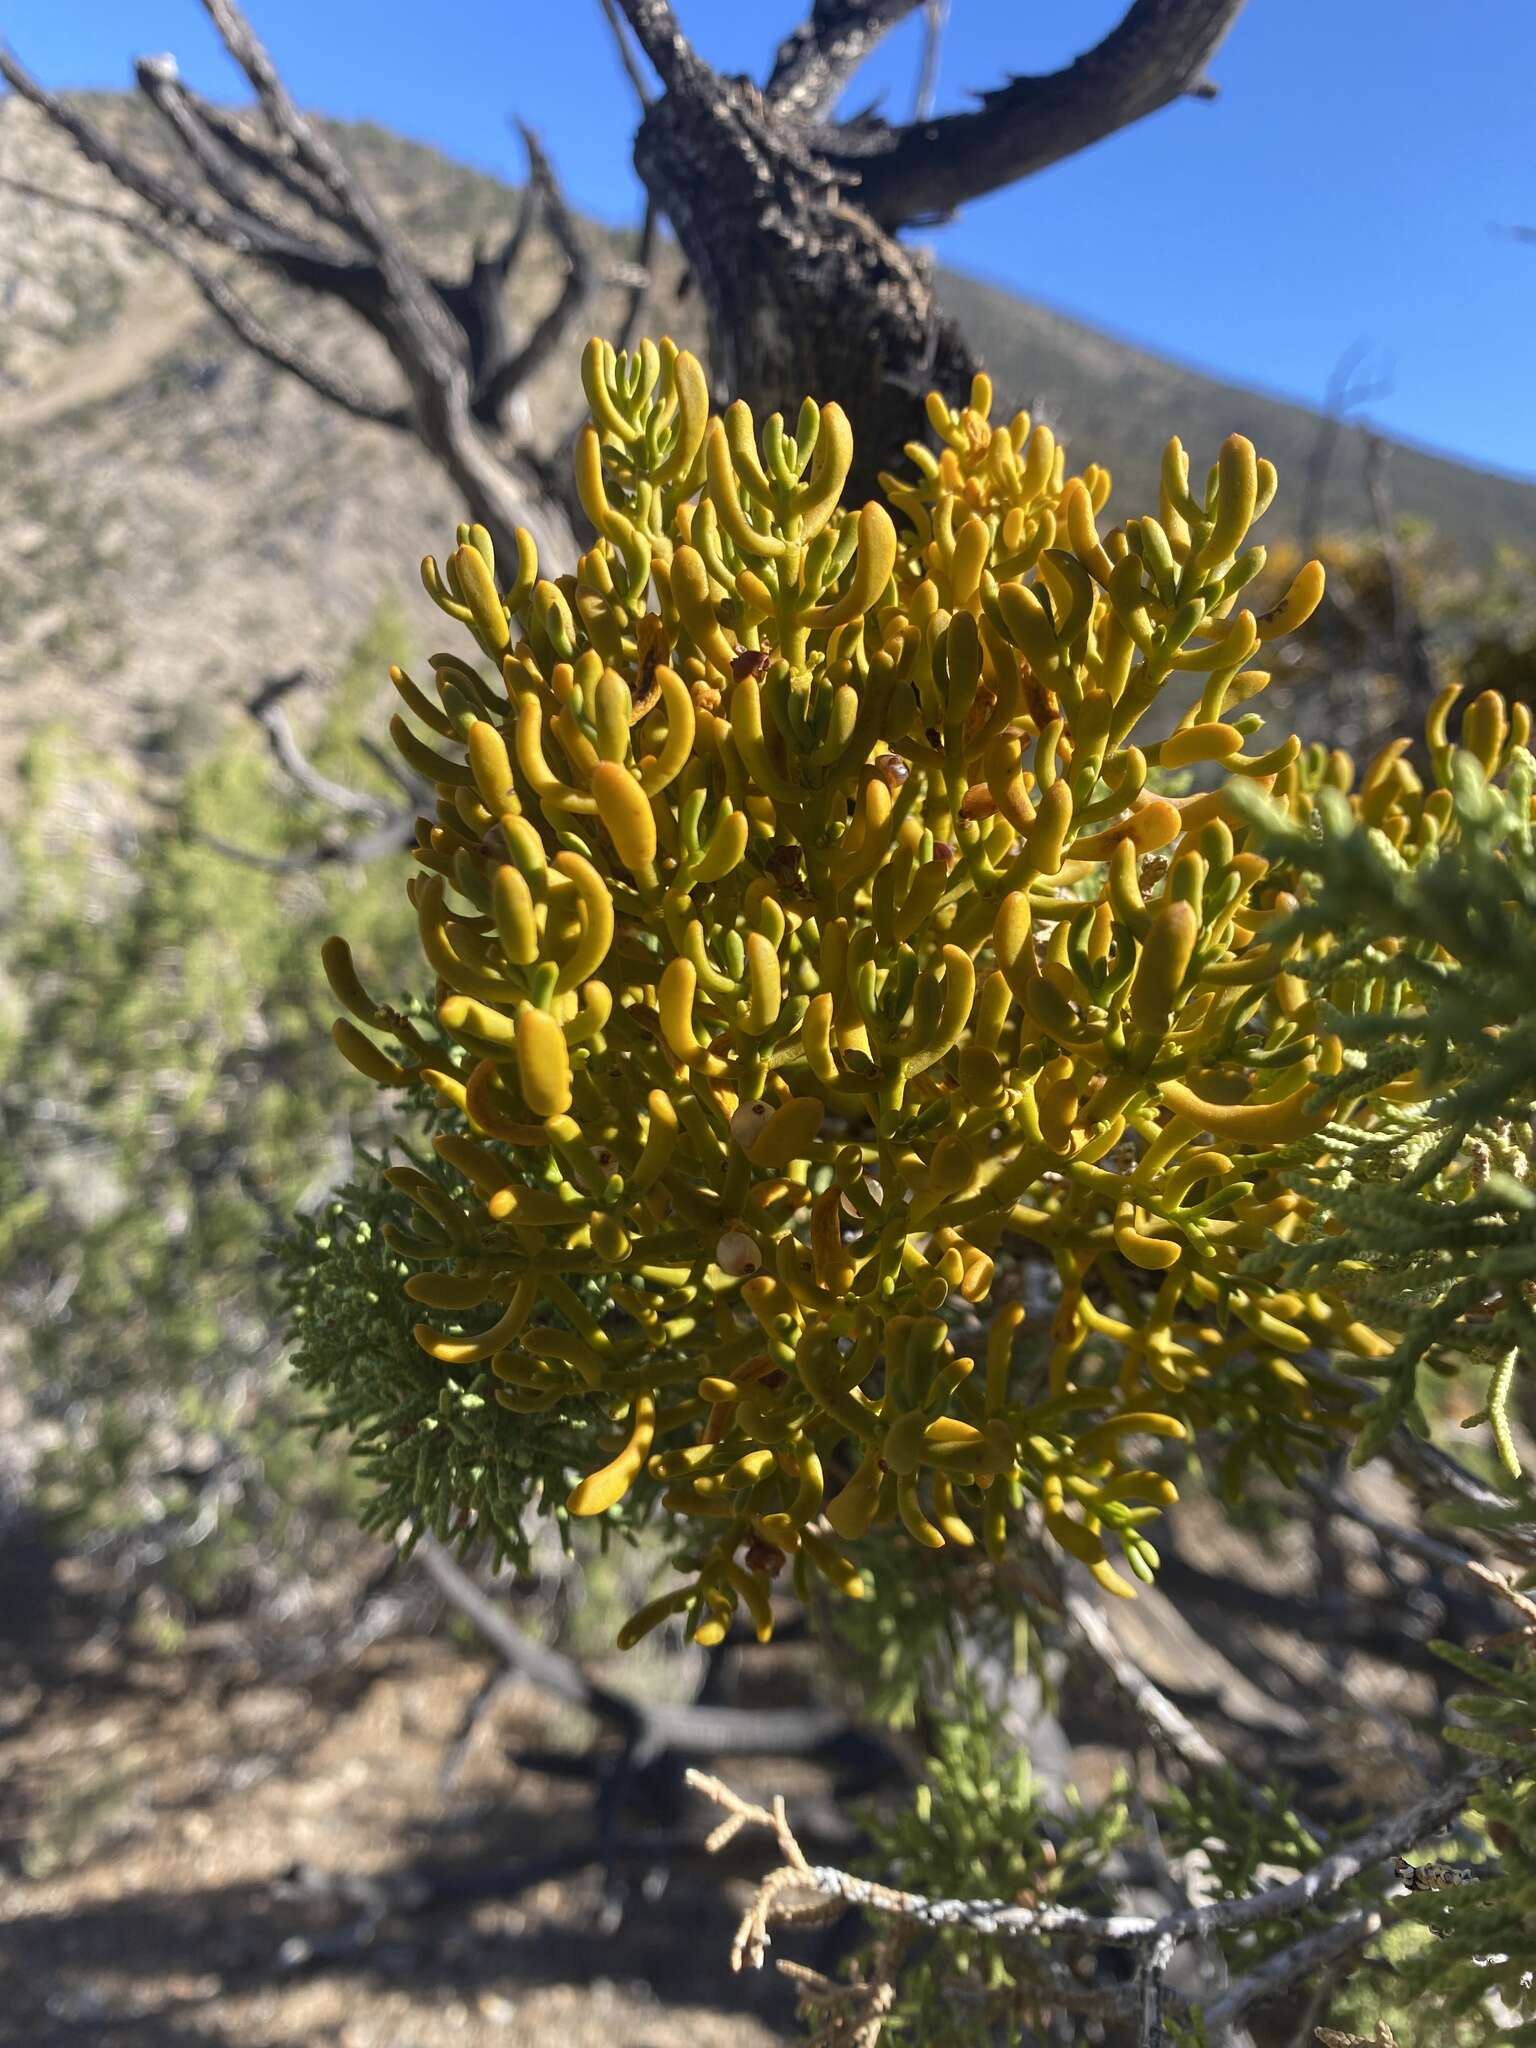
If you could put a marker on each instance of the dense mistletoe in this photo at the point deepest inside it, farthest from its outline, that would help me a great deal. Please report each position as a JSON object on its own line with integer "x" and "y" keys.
{"x": 812, "y": 932}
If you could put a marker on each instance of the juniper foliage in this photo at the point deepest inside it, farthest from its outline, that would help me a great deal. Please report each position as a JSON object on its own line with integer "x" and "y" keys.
{"x": 1430, "y": 1205}
{"x": 433, "y": 1448}
{"x": 1428, "y": 1214}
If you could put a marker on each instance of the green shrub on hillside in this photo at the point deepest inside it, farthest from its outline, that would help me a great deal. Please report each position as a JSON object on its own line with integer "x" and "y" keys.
{"x": 167, "y": 1097}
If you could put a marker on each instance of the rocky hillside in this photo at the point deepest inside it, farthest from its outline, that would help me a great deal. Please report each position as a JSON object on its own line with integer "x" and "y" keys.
{"x": 178, "y": 520}
{"x": 1121, "y": 403}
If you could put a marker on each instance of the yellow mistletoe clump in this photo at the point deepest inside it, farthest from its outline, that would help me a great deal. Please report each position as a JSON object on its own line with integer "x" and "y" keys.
{"x": 814, "y": 939}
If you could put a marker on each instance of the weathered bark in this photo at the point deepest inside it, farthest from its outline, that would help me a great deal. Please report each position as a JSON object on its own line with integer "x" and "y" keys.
{"x": 789, "y": 223}
{"x": 804, "y": 293}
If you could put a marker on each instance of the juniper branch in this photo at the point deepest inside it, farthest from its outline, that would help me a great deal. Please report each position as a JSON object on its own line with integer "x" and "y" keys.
{"x": 1000, "y": 1918}
{"x": 1299, "y": 1962}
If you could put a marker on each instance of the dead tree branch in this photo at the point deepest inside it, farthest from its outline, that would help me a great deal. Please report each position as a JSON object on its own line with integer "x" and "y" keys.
{"x": 237, "y": 314}
{"x": 627, "y": 56}
{"x": 1349, "y": 391}
{"x": 936, "y": 20}
{"x": 390, "y": 827}
{"x": 550, "y": 334}
{"x": 645, "y": 263}
{"x": 788, "y": 222}
{"x": 1153, "y": 1938}
{"x": 1299, "y": 1963}
{"x": 388, "y": 838}
{"x": 926, "y": 169}
{"x": 1385, "y": 1840}
{"x": 266, "y": 707}
{"x": 1433, "y": 1475}
{"x": 667, "y": 50}
{"x": 650, "y": 1727}
{"x": 449, "y": 338}
{"x": 817, "y": 59}
{"x": 1151, "y": 1990}
{"x": 1168, "y": 1725}
{"x": 1407, "y": 625}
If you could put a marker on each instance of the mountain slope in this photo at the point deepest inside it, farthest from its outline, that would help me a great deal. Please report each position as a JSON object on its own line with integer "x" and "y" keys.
{"x": 179, "y": 520}
{"x": 1119, "y": 403}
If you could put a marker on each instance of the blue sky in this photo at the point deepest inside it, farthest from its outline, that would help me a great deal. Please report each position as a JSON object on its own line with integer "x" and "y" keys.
{"x": 1347, "y": 186}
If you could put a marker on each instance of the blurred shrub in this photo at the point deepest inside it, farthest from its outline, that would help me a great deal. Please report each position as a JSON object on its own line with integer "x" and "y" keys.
{"x": 1350, "y": 679}
{"x": 167, "y": 1097}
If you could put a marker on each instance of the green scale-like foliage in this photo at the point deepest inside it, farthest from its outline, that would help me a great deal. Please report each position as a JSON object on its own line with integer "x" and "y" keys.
{"x": 1425, "y": 966}
{"x": 981, "y": 1821}
{"x": 1483, "y": 1919}
{"x": 434, "y": 1450}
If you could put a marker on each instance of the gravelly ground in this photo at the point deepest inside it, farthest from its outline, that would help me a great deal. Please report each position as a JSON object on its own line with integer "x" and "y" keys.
{"x": 148, "y": 1803}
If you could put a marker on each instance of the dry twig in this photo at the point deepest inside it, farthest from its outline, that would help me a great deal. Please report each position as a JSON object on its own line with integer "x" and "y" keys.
{"x": 798, "y": 1890}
